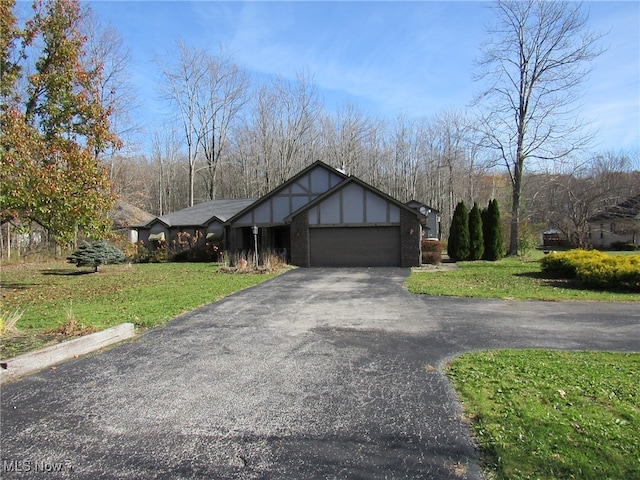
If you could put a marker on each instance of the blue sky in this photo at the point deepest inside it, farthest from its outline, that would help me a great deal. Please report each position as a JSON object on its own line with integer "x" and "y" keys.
{"x": 389, "y": 58}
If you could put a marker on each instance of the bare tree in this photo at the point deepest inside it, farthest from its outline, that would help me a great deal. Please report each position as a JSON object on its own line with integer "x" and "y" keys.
{"x": 279, "y": 135}
{"x": 567, "y": 198}
{"x": 407, "y": 157}
{"x": 117, "y": 92}
{"x": 343, "y": 137}
{"x": 296, "y": 112}
{"x": 535, "y": 60}
{"x": 182, "y": 85}
{"x": 223, "y": 93}
{"x": 165, "y": 157}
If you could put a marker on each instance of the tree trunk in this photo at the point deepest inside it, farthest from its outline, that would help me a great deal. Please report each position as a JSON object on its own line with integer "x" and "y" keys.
{"x": 513, "y": 237}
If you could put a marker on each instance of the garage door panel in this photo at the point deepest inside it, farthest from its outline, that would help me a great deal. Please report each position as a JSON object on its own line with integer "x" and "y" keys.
{"x": 355, "y": 247}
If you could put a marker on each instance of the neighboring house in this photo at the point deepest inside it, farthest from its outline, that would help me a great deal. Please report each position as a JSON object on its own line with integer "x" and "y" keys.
{"x": 554, "y": 238}
{"x": 619, "y": 223}
{"x": 432, "y": 225}
{"x": 319, "y": 217}
{"x": 124, "y": 216}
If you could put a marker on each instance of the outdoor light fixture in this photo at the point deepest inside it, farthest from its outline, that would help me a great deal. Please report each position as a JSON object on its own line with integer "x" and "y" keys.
{"x": 254, "y": 229}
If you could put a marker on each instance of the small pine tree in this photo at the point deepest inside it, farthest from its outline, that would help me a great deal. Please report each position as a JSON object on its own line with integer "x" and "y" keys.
{"x": 476, "y": 237}
{"x": 96, "y": 254}
{"x": 459, "y": 245}
{"x": 492, "y": 229}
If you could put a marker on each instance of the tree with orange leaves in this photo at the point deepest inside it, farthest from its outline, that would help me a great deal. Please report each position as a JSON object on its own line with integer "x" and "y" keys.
{"x": 54, "y": 129}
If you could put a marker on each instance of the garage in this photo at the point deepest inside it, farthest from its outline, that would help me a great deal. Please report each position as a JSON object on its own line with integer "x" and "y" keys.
{"x": 324, "y": 218}
{"x": 355, "y": 246}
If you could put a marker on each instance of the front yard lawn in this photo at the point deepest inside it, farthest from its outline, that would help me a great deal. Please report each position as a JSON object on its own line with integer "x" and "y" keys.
{"x": 510, "y": 278}
{"x": 540, "y": 414}
{"x": 58, "y": 300}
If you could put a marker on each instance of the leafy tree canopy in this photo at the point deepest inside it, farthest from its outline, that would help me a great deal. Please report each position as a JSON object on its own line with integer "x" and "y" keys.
{"x": 54, "y": 128}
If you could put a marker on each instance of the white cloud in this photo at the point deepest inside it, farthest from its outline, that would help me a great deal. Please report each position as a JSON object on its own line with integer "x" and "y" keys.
{"x": 415, "y": 58}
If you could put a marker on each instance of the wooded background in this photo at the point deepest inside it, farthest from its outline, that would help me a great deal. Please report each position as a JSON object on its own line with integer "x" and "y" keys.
{"x": 234, "y": 136}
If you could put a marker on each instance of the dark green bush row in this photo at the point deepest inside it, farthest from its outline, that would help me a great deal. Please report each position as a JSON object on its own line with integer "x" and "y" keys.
{"x": 476, "y": 234}
{"x": 595, "y": 269}
{"x": 624, "y": 246}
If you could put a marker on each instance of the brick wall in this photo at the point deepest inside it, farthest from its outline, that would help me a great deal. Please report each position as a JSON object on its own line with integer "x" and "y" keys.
{"x": 409, "y": 239}
{"x": 300, "y": 240}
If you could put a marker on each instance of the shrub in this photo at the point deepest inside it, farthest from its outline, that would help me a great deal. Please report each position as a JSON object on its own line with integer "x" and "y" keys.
{"x": 476, "y": 238}
{"x": 595, "y": 269}
{"x": 96, "y": 254}
{"x": 431, "y": 251}
{"x": 527, "y": 239}
{"x": 610, "y": 272}
{"x": 624, "y": 246}
{"x": 565, "y": 264}
{"x": 492, "y": 232}
{"x": 200, "y": 253}
{"x": 459, "y": 243}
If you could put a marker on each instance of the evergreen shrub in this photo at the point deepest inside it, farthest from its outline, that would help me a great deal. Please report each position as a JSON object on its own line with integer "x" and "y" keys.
{"x": 476, "y": 237}
{"x": 610, "y": 272}
{"x": 459, "y": 243}
{"x": 624, "y": 246}
{"x": 95, "y": 254}
{"x": 492, "y": 232}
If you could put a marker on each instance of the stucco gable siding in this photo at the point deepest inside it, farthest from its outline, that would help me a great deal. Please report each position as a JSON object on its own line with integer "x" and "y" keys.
{"x": 354, "y": 204}
{"x": 276, "y": 206}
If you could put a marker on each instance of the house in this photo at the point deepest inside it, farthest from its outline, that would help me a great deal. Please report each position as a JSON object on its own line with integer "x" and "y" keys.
{"x": 191, "y": 227}
{"x": 432, "y": 225}
{"x": 617, "y": 224}
{"x": 319, "y": 217}
{"x": 123, "y": 215}
{"x": 554, "y": 238}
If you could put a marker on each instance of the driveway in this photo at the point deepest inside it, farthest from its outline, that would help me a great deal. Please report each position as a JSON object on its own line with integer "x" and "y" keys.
{"x": 318, "y": 373}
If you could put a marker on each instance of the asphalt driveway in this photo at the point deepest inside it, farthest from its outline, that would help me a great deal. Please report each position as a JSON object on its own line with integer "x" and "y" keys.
{"x": 318, "y": 373}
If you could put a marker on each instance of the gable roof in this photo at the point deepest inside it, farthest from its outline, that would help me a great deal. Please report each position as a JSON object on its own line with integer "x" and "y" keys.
{"x": 416, "y": 205}
{"x": 203, "y": 213}
{"x": 124, "y": 215}
{"x": 285, "y": 185}
{"x": 343, "y": 184}
{"x": 627, "y": 210}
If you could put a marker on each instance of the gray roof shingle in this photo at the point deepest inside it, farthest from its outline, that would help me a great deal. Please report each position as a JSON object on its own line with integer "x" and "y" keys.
{"x": 627, "y": 210}
{"x": 202, "y": 213}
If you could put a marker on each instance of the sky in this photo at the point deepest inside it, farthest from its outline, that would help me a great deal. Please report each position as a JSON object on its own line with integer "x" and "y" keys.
{"x": 388, "y": 58}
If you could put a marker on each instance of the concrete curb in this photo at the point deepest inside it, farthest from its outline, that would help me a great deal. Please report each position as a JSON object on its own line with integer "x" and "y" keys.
{"x": 31, "y": 362}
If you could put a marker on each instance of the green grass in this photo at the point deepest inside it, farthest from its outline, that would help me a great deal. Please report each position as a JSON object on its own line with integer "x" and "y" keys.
{"x": 510, "y": 278}
{"x": 539, "y": 414}
{"x": 49, "y": 295}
